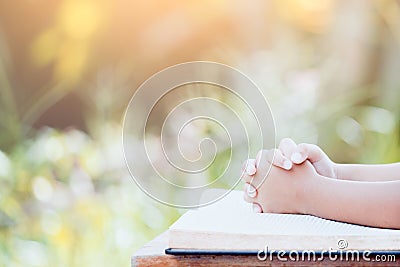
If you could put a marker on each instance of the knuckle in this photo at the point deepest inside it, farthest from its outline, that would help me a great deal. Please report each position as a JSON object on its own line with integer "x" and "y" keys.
{"x": 303, "y": 147}
{"x": 282, "y": 142}
{"x": 286, "y": 140}
{"x": 316, "y": 148}
{"x": 263, "y": 152}
{"x": 275, "y": 150}
{"x": 277, "y": 157}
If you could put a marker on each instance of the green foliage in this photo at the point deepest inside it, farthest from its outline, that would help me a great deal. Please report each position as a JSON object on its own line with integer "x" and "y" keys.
{"x": 61, "y": 204}
{"x": 329, "y": 70}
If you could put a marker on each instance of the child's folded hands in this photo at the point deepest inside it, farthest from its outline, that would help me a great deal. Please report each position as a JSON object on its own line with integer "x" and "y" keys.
{"x": 302, "y": 179}
{"x": 278, "y": 165}
{"x": 288, "y": 153}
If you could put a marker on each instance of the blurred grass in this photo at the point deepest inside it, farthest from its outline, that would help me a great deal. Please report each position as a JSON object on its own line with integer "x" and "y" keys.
{"x": 329, "y": 70}
{"x": 58, "y": 207}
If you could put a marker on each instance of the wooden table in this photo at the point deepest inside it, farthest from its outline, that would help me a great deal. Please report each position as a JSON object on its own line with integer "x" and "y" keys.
{"x": 153, "y": 254}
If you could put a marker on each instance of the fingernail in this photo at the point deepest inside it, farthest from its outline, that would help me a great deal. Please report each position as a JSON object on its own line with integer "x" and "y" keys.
{"x": 251, "y": 191}
{"x": 256, "y": 208}
{"x": 250, "y": 169}
{"x": 296, "y": 157}
{"x": 287, "y": 164}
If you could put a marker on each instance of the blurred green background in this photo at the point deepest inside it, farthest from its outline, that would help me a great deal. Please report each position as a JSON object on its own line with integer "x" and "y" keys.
{"x": 330, "y": 70}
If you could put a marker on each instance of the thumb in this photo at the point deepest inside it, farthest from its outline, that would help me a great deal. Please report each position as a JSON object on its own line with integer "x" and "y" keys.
{"x": 305, "y": 152}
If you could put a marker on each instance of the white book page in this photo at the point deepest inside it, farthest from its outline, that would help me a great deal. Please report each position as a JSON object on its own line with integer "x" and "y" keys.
{"x": 232, "y": 215}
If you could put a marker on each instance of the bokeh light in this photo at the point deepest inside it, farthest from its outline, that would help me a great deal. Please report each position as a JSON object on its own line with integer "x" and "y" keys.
{"x": 68, "y": 68}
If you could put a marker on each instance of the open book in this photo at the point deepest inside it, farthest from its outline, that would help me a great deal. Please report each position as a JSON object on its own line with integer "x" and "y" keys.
{"x": 230, "y": 225}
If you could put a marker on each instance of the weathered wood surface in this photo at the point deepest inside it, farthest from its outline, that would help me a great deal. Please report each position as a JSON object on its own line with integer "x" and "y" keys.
{"x": 152, "y": 254}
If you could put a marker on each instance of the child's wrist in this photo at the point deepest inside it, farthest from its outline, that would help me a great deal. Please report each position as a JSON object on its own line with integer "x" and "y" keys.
{"x": 307, "y": 192}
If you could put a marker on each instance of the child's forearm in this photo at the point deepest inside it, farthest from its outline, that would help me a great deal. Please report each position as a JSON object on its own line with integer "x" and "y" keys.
{"x": 367, "y": 203}
{"x": 361, "y": 172}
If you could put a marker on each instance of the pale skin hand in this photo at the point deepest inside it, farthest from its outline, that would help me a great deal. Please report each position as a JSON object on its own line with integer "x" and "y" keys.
{"x": 325, "y": 166}
{"x": 304, "y": 190}
{"x": 288, "y": 153}
{"x": 282, "y": 191}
